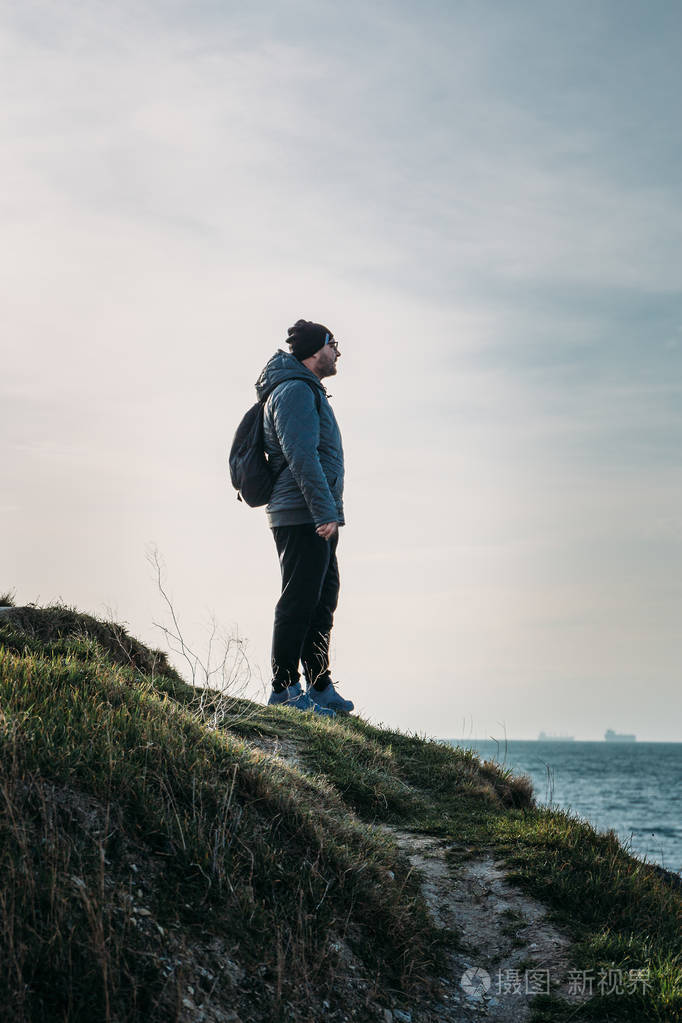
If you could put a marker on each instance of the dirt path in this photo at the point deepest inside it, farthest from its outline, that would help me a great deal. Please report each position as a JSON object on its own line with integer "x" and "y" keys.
{"x": 509, "y": 949}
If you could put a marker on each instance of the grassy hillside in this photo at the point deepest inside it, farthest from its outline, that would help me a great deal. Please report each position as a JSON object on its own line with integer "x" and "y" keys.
{"x": 168, "y": 855}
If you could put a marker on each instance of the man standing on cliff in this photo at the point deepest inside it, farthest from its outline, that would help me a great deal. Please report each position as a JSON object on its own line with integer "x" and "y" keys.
{"x": 303, "y": 444}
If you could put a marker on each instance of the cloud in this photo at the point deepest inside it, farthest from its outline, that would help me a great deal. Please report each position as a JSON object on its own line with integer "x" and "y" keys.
{"x": 485, "y": 205}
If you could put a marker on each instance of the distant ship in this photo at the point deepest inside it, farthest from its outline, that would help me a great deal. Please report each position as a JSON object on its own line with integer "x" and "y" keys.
{"x": 611, "y": 736}
{"x": 544, "y": 737}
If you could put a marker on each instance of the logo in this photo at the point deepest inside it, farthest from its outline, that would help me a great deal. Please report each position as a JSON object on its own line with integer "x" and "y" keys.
{"x": 475, "y": 981}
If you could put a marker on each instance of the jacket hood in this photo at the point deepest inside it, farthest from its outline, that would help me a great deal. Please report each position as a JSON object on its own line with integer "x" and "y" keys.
{"x": 283, "y": 366}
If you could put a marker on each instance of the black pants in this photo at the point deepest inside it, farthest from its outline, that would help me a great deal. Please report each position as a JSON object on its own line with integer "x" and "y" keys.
{"x": 304, "y": 614}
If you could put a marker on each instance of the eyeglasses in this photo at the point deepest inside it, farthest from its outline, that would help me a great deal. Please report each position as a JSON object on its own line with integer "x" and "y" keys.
{"x": 332, "y": 343}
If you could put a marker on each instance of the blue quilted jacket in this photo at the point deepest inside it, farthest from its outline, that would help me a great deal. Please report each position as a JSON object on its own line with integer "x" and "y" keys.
{"x": 307, "y": 445}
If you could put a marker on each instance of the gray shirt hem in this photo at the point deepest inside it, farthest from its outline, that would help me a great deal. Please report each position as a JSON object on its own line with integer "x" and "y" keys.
{"x": 293, "y": 517}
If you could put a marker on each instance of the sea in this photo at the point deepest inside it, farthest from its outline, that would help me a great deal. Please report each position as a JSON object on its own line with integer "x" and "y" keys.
{"x": 632, "y": 788}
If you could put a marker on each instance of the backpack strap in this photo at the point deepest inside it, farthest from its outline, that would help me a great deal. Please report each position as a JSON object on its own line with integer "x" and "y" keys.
{"x": 313, "y": 387}
{"x": 318, "y": 403}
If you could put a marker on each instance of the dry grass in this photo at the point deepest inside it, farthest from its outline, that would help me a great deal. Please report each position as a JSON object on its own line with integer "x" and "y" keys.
{"x": 99, "y": 770}
{"x": 157, "y": 864}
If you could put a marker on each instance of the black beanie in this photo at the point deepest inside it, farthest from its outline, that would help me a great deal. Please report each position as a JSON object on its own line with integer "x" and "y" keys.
{"x": 306, "y": 338}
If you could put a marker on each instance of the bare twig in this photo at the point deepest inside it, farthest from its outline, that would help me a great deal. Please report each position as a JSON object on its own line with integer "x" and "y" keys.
{"x": 222, "y": 678}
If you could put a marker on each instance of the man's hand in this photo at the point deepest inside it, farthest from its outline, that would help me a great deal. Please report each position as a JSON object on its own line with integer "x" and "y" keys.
{"x": 328, "y": 530}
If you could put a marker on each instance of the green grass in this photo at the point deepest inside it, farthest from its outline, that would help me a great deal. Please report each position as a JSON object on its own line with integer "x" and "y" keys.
{"x": 262, "y": 857}
{"x": 142, "y": 848}
{"x": 625, "y": 915}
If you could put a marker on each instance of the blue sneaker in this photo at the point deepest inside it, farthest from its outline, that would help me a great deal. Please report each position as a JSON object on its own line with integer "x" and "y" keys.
{"x": 329, "y": 699}
{"x": 293, "y": 696}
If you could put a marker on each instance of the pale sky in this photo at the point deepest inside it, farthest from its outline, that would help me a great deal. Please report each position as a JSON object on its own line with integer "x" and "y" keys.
{"x": 483, "y": 201}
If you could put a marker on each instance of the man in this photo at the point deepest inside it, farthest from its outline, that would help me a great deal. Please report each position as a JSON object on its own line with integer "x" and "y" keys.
{"x": 303, "y": 444}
